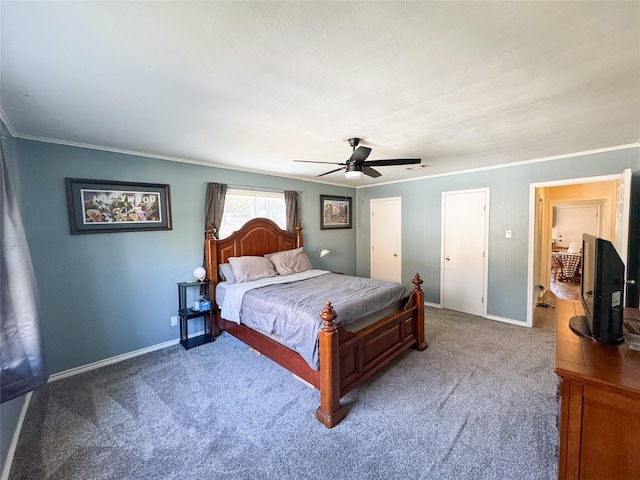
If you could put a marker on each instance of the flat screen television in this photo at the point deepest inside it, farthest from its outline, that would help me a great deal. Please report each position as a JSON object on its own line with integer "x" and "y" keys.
{"x": 601, "y": 292}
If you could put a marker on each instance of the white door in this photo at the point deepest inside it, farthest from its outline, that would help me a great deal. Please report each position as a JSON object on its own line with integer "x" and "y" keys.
{"x": 464, "y": 239}
{"x": 386, "y": 236}
{"x": 572, "y": 222}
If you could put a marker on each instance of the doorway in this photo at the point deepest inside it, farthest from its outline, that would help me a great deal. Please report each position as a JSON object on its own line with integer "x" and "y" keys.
{"x": 571, "y": 219}
{"x": 603, "y": 191}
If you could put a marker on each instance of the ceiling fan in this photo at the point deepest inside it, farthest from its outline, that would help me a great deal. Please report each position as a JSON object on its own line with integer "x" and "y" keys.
{"x": 357, "y": 166}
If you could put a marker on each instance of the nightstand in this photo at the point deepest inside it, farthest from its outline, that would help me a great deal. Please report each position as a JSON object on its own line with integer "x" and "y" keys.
{"x": 186, "y": 313}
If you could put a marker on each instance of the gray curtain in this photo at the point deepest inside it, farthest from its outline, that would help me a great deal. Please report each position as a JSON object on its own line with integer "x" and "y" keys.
{"x": 292, "y": 210}
{"x": 214, "y": 205}
{"x": 21, "y": 352}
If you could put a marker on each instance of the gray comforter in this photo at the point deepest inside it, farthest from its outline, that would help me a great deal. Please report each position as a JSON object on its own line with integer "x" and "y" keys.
{"x": 292, "y": 310}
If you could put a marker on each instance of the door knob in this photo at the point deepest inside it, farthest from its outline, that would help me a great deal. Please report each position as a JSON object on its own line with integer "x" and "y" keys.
{"x": 631, "y": 281}
{"x": 395, "y": 254}
{"x": 446, "y": 258}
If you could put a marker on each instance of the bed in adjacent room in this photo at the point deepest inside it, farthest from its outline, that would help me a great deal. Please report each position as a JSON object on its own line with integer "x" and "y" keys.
{"x": 333, "y": 331}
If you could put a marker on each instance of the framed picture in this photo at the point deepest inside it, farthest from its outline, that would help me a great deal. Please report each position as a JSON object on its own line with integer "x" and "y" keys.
{"x": 335, "y": 212}
{"x": 107, "y": 206}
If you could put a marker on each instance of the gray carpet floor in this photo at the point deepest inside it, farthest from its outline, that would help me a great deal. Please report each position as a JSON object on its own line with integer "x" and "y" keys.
{"x": 479, "y": 403}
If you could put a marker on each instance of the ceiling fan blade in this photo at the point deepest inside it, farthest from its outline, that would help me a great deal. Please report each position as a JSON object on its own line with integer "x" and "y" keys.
{"x": 370, "y": 171}
{"x": 394, "y": 161}
{"x": 313, "y": 161}
{"x": 360, "y": 155}
{"x": 331, "y": 171}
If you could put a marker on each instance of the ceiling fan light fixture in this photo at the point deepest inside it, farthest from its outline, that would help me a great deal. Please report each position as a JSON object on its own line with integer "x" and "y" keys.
{"x": 353, "y": 175}
{"x": 352, "y": 172}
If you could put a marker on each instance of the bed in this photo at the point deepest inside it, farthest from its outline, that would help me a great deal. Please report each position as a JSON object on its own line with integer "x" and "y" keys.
{"x": 345, "y": 358}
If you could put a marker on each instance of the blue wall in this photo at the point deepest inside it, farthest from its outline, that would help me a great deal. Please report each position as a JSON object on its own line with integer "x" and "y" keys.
{"x": 103, "y": 295}
{"x": 509, "y": 209}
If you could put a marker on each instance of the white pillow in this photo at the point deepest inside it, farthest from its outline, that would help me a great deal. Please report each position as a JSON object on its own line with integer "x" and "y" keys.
{"x": 290, "y": 261}
{"x": 251, "y": 268}
{"x": 226, "y": 273}
{"x": 293, "y": 252}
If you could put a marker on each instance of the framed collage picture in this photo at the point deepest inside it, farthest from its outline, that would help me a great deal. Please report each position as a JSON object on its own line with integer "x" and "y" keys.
{"x": 107, "y": 206}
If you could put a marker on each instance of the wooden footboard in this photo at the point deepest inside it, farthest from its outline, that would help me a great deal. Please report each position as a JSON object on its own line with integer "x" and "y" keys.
{"x": 348, "y": 359}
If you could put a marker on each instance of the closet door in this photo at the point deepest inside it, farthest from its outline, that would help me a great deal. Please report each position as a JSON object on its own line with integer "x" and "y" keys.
{"x": 464, "y": 240}
{"x": 386, "y": 239}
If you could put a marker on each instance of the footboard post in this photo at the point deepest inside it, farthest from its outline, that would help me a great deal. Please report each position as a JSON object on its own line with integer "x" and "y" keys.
{"x": 419, "y": 299}
{"x": 330, "y": 412}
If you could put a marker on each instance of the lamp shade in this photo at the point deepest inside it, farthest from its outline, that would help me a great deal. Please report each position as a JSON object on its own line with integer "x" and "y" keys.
{"x": 574, "y": 247}
{"x": 200, "y": 273}
{"x": 323, "y": 252}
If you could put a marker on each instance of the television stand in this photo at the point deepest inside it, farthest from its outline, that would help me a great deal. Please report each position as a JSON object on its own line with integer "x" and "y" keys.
{"x": 580, "y": 326}
{"x": 599, "y": 404}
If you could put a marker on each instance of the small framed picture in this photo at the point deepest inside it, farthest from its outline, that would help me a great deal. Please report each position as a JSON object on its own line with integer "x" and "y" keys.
{"x": 335, "y": 212}
{"x": 108, "y": 206}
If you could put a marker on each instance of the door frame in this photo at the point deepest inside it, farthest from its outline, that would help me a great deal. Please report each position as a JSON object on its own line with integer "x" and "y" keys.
{"x": 531, "y": 297}
{"x": 371, "y": 221}
{"x": 485, "y": 267}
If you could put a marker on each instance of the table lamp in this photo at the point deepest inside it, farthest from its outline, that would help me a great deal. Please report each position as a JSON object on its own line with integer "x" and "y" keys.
{"x": 200, "y": 273}
{"x": 321, "y": 252}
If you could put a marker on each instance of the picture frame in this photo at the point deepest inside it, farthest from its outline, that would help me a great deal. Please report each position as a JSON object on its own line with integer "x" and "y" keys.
{"x": 335, "y": 212}
{"x": 109, "y": 206}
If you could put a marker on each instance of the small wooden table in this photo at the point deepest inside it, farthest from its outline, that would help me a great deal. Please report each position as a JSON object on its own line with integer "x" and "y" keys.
{"x": 599, "y": 402}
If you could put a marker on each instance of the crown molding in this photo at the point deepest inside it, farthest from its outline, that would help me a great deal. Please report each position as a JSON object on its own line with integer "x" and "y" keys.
{"x": 511, "y": 164}
{"x": 170, "y": 159}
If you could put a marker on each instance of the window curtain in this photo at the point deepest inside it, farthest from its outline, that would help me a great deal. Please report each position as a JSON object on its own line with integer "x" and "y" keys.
{"x": 292, "y": 210}
{"x": 214, "y": 205}
{"x": 21, "y": 353}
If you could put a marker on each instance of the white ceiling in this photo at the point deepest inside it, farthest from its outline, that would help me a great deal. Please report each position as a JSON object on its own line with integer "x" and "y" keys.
{"x": 254, "y": 85}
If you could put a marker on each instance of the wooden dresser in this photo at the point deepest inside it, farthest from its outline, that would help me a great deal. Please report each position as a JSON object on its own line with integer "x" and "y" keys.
{"x": 599, "y": 403}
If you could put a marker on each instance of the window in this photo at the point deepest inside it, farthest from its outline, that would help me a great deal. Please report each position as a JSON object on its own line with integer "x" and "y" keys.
{"x": 240, "y": 206}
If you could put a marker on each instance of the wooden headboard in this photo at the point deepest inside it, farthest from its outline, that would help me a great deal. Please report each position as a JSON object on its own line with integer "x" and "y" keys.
{"x": 256, "y": 237}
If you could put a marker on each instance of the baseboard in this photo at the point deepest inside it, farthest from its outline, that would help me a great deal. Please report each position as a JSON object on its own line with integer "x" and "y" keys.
{"x": 507, "y": 320}
{"x": 108, "y": 361}
{"x": 14, "y": 440}
{"x": 488, "y": 317}
{"x": 433, "y": 305}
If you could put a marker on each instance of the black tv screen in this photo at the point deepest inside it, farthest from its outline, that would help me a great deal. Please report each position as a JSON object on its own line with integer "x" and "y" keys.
{"x": 601, "y": 291}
